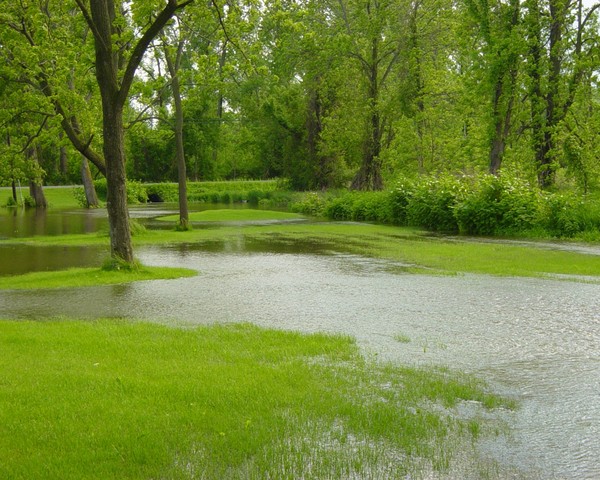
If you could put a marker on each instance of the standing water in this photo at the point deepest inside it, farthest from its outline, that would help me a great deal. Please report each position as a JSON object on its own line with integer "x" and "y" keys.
{"x": 537, "y": 340}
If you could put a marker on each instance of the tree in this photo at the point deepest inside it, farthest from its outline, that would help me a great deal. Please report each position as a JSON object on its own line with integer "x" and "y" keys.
{"x": 498, "y": 27}
{"x": 372, "y": 32}
{"x": 173, "y": 59}
{"x": 561, "y": 43}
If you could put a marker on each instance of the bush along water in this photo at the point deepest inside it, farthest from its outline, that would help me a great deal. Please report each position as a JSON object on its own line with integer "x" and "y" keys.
{"x": 471, "y": 205}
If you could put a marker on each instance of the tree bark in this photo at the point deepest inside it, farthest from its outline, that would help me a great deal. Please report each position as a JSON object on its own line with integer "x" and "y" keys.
{"x": 173, "y": 67}
{"x": 91, "y": 198}
{"x": 369, "y": 175}
{"x": 37, "y": 193}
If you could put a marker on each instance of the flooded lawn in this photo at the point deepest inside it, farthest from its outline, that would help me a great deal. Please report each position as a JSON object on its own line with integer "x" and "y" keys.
{"x": 537, "y": 340}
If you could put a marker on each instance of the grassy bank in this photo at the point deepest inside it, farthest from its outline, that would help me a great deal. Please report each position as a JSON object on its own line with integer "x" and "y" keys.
{"x": 85, "y": 277}
{"x": 411, "y": 247}
{"x": 235, "y": 215}
{"x": 106, "y": 399}
{"x": 57, "y": 197}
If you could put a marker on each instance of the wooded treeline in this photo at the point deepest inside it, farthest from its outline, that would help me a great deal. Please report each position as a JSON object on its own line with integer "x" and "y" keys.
{"x": 327, "y": 93}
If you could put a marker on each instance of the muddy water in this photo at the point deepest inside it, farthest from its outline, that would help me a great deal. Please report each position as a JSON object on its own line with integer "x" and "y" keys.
{"x": 538, "y": 340}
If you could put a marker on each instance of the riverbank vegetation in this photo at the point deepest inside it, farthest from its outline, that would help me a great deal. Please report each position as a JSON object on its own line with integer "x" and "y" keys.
{"x": 86, "y": 277}
{"x": 132, "y": 400}
{"x": 485, "y": 205}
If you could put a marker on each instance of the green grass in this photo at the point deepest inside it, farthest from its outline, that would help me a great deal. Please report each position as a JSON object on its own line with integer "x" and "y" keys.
{"x": 420, "y": 253}
{"x": 234, "y": 215}
{"x": 85, "y": 277}
{"x": 109, "y": 399}
{"x": 57, "y": 197}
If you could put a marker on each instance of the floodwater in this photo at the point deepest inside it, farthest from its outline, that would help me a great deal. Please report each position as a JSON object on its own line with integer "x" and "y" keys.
{"x": 537, "y": 340}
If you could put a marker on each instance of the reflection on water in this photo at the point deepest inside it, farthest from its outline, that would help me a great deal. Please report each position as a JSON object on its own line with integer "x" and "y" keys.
{"x": 18, "y": 259}
{"x": 20, "y": 223}
{"x": 538, "y": 340}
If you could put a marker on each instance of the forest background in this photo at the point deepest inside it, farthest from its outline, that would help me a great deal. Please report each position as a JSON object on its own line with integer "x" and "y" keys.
{"x": 360, "y": 94}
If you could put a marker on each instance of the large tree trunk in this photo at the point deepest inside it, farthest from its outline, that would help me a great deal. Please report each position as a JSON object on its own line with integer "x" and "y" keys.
{"x": 180, "y": 153}
{"x": 116, "y": 194}
{"x": 107, "y": 69}
{"x": 502, "y": 121}
{"x": 36, "y": 190}
{"x": 173, "y": 67}
{"x": 91, "y": 198}
{"x": 369, "y": 175}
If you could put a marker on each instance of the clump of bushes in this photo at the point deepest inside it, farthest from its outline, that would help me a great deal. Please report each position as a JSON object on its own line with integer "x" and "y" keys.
{"x": 431, "y": 203}
{"x": 475, "y": 205}
{"x": 498, "y": 205}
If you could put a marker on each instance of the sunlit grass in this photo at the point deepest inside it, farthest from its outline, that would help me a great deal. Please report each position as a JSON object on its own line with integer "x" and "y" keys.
{"x": 109, "y": 399}
{"x": 84, "y": 277}
{"x": 57, "y": 197}
{"x": 234, "y": 215}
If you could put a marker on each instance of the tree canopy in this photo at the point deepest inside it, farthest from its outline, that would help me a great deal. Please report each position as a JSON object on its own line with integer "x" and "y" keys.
{"x": 327, "y": 93}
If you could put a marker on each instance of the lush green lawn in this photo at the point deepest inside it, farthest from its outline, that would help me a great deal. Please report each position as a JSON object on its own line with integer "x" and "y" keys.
{"x": 234, "y": 215}
{"x": 57, "y": 197}
{"x": 85, "y": 277}
{"x": 111, "y": 399}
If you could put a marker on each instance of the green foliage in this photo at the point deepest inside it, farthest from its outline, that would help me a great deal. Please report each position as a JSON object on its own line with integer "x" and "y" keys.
{"x": 29, "y": 202}
{"x": 255, "y": 196}
{"x": 11, "y": 202}
{"x": 432, "y": 202}
{"x": 497, "y": 205}
{"x": 476, "y": 205}
{"x": 340, "y": 208}
{"x": 236, "y": 191}
{"x": 100, "y": 186}
{"x": 136, "y": 192}
{"x": 567, "y": 215}
{"x": 80, "y": 198}
{"x": 136, "y": 227}
{"x": 311, "y": 203}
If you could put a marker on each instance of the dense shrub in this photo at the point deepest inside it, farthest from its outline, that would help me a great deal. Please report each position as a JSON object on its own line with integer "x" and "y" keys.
{"x": 498, "y": 205}
{"x": 559, "y": 215}
{"x": 398, "y": 199}
{"x": 432, "y": 202}
{"x": 163, "y": 192}
{"x": 565, "y": 215}
{"x": 136, "y": 192}
{"x": 255, "y": 196}
{"x": 311, "y": 203}
{"x": 340, "y": 208}
{"x": 236, "y": 191}
{"x": 100, "y": 186}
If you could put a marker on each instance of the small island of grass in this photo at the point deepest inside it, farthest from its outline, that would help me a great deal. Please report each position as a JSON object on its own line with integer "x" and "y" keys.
{"x": 235, "y": 215}
{"x": 86, "y": 277}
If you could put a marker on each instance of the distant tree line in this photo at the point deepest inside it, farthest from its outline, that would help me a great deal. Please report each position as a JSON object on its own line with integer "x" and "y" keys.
{"x": 326, "y": 93}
